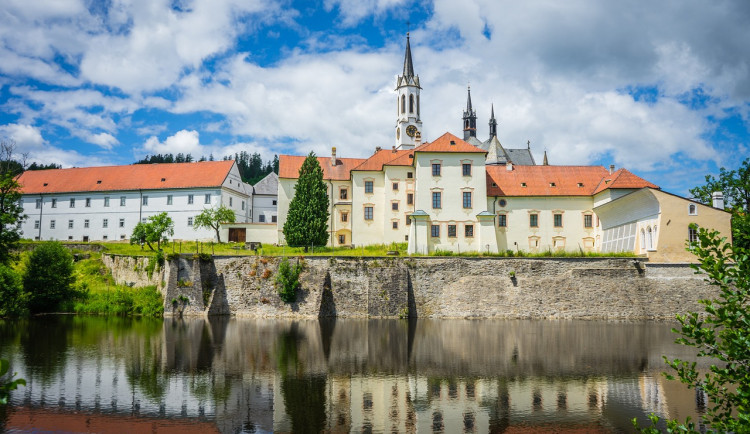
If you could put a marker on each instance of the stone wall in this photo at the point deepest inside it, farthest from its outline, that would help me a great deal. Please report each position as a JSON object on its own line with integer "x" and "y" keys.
{"x": 435, "y": 287}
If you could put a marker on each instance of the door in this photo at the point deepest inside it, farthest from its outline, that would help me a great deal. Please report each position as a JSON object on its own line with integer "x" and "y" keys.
{"x": 236, "y": 235}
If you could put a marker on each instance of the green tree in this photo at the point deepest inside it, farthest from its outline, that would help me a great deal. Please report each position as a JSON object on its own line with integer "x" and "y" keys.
{"x": 722, "y": 334}
{"x": 11, "y": 211}
{"x": 287, "y": 280}
{"x": 12, "y": 297}
{"x": 307, "y": 220}
{"x": 48, "y": 280}
{"x": 157, "y": 229}
{"x": 735, "y": 184}
{"x": 212, "y": 218}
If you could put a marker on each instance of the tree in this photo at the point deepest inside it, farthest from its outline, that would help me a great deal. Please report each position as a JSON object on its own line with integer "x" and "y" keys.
{"x": 722, "y": 334}
{"x": 11, "y": 211}
{"x": 307, "y": 221}
{"x": 212, "y": 218}
{"x": 735, "y": 184}
{"x": 157, "y": 229}
{"x": 12, "y": 297}
{"x": 48, "y": 280}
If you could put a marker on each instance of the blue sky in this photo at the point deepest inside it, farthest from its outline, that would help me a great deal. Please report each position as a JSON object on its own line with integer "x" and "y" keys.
{"x": 661, "y": 89}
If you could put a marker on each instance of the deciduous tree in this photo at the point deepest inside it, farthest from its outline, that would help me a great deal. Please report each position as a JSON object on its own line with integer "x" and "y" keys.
{"x": 157, "y": 229}
{"x": 307, "y": 221}
{"x": 48, "y": 280}
{"x": 212, "y": 218}
{"x": 11, "y": 211}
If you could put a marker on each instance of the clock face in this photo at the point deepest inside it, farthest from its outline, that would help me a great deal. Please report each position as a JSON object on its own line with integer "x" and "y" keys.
{"x": 411, "y": 130}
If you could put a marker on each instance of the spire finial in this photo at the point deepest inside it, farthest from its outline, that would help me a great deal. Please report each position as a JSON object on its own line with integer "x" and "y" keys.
{"x": 545, "y": 162}
{"x": 408, "y": 65}
{"x": 528, "y": 144}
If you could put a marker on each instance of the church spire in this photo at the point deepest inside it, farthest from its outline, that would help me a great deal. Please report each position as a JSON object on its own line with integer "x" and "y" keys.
{"x": 470, "y": 118}
{"x": 493, "y": 123}
{"x": 545, "y": 162}
{"x": 408, "y": 65}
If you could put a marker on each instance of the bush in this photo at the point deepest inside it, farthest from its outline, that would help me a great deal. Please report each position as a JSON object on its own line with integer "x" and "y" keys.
{"x": 12, "y": 297}
{"x": 49, "y": 279}
{"x": 287, "y": 279}
{"x": 123, "y": 301}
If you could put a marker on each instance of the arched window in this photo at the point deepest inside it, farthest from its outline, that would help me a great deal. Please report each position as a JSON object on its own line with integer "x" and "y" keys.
{"x": 467, "y": 124}
{"x": 643, "y": 239}
{"x": 692, "y": 209}
{"x": 417, "y": 105}
{"x": 411, "y": 103}
{"x": 403, "y": 104}
{"x": 650, "y": 238}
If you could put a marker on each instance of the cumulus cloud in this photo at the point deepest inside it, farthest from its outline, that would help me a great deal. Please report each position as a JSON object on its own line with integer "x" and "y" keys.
{"x": 31, "y": 143}
{"x": 188, "y": 142}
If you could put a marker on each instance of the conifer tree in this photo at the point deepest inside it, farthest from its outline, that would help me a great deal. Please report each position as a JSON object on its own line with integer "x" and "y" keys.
{"x": 307, "y": 221}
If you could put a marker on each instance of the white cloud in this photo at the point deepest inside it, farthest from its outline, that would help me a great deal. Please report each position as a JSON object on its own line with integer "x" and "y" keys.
{"x": 353, "y": 11}
{"x": 30, "y": 142}
{"x": 188, "y": 142}
{"x": 26, "y": 137}
{"x": 104, "y": 140}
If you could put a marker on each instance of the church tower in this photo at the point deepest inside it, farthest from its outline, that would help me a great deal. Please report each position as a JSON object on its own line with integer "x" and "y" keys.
{"x": 408, "y": 123}
{"x": 470, "y": 119}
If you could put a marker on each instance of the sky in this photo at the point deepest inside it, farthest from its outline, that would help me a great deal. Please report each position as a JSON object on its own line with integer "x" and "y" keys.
{"x": 660, "y": 88}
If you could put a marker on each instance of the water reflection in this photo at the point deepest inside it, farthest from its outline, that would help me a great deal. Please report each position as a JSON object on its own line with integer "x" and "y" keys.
{"x": 259, "y": 375}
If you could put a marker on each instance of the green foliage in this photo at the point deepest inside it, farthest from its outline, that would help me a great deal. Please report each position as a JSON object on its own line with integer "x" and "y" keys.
{"x": 7, "y": 385}
{"x": 735, "y": 184}
{"x": 212, "y": 218}
{"x": 157, "y": 229}
{"x": 287, "y": 280}
{"x": 122, "y": 300}
{"x": 48, "y": 279}
{"x": 11, "y": 211}
{"x": 721, "y": 334}
{"x": 12, "y": 297}
{"x": 307, "y": 220}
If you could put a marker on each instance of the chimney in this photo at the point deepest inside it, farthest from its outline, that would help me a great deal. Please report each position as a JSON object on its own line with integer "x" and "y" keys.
{"x": 393, "y": 149}
{"x": 718, "y": 199}
{"x": 611, "y": 169}
{"x": 508, "y": 166}
{"x": 333, "y": 156}
{"x": 417, "y": 139}
{"x": 378, "y": 149}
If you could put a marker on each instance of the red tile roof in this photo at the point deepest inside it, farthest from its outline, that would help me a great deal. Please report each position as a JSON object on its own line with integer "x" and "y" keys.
{"x": 289, "y": 166}
{"x": 539, "y": 180}
{"x": 121, "y": 178}
{"x": 448, "y": 143}
{"x": 385, "y": 157}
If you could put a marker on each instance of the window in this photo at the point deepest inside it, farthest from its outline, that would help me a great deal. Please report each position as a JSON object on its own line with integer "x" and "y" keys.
{"x": 70, "y": 224}
{"x": 466, "y": 169}
{"x": 410, "y": 175}
{"x": 451, "y": 231}
{"x": 88, "y": 202}
{"x": 692, "y": 209}
{"x": 273, "y": 203}
{"x": 410, "y": 198}
{"x": 122, "y": 223}
{"x": 533, "y": 220}
{"x": 394, "y": 206}
{"x": 403, "y": 103}
{"x": 395, "y": 224}
{"x": 342, "y": 239}
{"x": 122, "y": 200}
{"x": 106, "y": 201}
{"x": 435, "y": 169}
{"x": 469, "y": 231}
{"x": 243, "y": 205}
{"x": 467, "y": 199}
{"x": 36, "y": 224}
{"x": 436, "y": 199}
{"x": 72, "y": 203}
{"x": 144, "y": 220}
{"x": 190, "y": 199}
{"x": 86, "y": 223}
{"x": 51, "y": 224}
{"x": 230, "y": 201}
{"x": 395, "y": 186}
{"x": 105, "y": 237}
{"x": 368, "y": 186}
{"x": 144, "y": 200}
{"x": 38, "y": 203}
{"x": 435, "y": 231}
{"x": 54, "y": 203}
{"x": 190, "y": 221}
{"x": 643, "y": 239}
{"x": 557, "y": 220}
{"x": 105, "y": 223}
{"x": 650, "y": 238}
{"x": 502, "y": 220}
{"x": 207, "y": 198}
{"x": 368, "y": 213}
{"x": 273, "y": 219}
{"x": 169, "y": 200}
{"x": 411, "y": 103}
{"x": 262, "y": 218}
{"x": 408, "y": 221}
{"x": 344, "y": 194}
{"x": 588, "y": 221}
{"x": 344, "y": 217}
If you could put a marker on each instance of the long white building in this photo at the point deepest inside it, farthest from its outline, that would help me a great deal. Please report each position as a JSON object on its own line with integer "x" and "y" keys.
{"x": 105, "y": 203}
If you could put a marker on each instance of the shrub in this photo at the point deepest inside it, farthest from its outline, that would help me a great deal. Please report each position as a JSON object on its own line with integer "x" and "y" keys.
{"x": 287, "y": 279}
{"x": 49, "y": 279}
{"x": 12, "y": 297}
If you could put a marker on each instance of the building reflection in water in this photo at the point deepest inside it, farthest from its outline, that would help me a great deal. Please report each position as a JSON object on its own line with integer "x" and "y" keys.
{"x": 255, "y": 375}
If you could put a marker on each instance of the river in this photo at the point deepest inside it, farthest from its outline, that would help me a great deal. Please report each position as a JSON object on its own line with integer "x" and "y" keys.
{"x": 109, "y": 374}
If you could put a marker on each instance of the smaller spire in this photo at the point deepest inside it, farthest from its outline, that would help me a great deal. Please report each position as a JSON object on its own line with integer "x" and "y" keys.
{"x": 408, "y": 65}
{"x": 545, "y": 162}
{"x": 468, "y": 99}
{"x": 493, "y": 123}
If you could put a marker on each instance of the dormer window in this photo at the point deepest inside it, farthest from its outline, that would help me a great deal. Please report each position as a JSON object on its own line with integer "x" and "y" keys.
{"x": 163, "y": 179}
{"x": 580, "y": 184}
{"x": 552, "y": 184}
{"x": 45, "y": 184}
{"x": 99, "y": 181}
{"x": 523, "y": 184}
